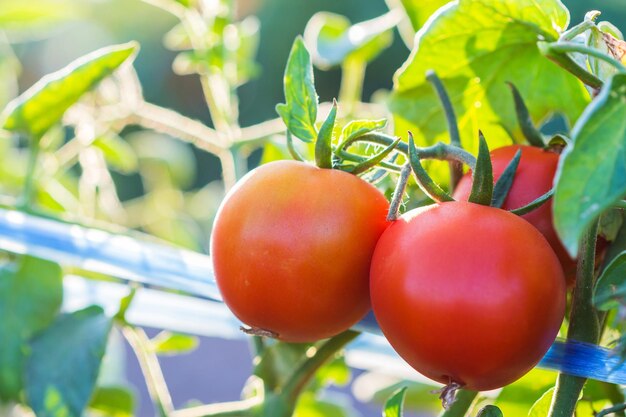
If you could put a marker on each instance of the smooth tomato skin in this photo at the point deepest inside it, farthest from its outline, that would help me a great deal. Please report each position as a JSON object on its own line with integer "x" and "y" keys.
{"x": 467, "y": 293}
{"x": 292, "y": 246}
{"x": 533, "y": 178}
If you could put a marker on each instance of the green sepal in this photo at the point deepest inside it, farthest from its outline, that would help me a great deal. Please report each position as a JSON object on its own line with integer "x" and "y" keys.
{"x": 536, "y": 203}
{"x": 425, "y": 182}
{"x": 323, "y": 144}
{"x": 530, "y": 132}
{"x": 374, "y": 160}
{"x": 504, "y": 183}
{"x": 482, "y": 176}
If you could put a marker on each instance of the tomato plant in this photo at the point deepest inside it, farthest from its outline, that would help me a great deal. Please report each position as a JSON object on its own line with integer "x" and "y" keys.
{"x": 292, "y": 245}
{"x": 470, "y": 295}
{"x": 467, "y": 293}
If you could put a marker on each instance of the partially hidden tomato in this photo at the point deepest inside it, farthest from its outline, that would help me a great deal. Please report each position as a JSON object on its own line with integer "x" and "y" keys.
{"x": 292, "y": 246}
{"x": 533, "y": 178}
{"x": 467, "y": 293}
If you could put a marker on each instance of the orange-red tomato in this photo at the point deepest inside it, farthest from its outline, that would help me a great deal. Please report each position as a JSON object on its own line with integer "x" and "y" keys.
{"x": 467, "y": 293}
{"x": 292, "y": 246}
{"x": 533, "y": 178}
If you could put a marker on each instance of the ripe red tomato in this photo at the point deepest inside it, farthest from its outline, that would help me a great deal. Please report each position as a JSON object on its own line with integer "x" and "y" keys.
{"x": 533, "y": 178}
{"x": 467, "y": 293}
{"x": 291, "y": 249}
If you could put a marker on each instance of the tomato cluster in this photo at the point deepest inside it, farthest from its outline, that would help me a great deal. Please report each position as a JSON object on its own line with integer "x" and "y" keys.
{"x": 465, "y": 293}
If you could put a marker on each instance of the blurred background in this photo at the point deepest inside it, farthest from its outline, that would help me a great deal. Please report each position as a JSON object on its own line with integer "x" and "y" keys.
{"x": 161, "y": 185}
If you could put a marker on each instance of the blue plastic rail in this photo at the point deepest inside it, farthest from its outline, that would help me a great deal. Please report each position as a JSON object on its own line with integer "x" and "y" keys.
{"x": 196, "y": 306}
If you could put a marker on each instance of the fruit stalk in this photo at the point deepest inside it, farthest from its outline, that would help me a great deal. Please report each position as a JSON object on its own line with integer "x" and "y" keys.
{"x": 584, "y": 325}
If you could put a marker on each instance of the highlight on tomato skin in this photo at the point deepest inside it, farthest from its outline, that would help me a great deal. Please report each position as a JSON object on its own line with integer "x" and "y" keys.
{"x": 292, "y": 246}
{"x": 467, "y": 293}
{"x": 533, "y": 178}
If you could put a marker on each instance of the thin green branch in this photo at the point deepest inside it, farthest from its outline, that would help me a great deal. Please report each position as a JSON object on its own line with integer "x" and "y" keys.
{"x": 398, "y": 193}
{"x": 149, "y": 364}
{"x": 243, "y": 408}
{"x": 567, "y": 63}
{"x": 610, "y": 410}
{"x": 565, "y": 47}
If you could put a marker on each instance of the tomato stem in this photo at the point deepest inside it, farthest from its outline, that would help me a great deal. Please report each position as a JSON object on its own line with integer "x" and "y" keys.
{"x": 565, "y": 47}
{"x": 456, "y": 168}
{"x": 425, "y": 182}
{"x": 566, "y": 62}
{"x": 611, "y": 410}
{"x": 461, "y": 404}
{"x": 302, "y": 375}
{"x": 530, "y": 132}
{"x": 398, "y": 193}
{"x": 584, "y": 325}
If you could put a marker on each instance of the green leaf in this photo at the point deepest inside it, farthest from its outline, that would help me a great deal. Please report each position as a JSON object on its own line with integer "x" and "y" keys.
{"x": 43, "y": 105}
{"x": 476, "y": 46}
{"x": 62, "y": 369}
{"x": 357, "y": 128}
{"x": 542, "y": 406}
{"x": 482, "y": 177}
{"x": 333, "y": 40}
{"x": 611, "y": 222}
{"x": 113, "y": 401}
{"x": 592, "y": 173}
{"x": 610, "y": 289}
{"x": 300, "y": 111}
{"x": 323, "y": 143}
{"x": 517, "y": 398}
{"x": 310, "y": 406}
{"x": 393, "y": 406}
{"x": 167, "y": 343}
{"x": 419, "y": 11}
{"x": 490, "y": 411}
{"x": 118, "y": 153}
{"x": 30, "y": 297}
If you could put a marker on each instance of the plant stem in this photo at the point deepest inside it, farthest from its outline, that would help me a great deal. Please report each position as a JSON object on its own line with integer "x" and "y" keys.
{"x": 398, "y": 193}
{"x": 582, "y": 27}
{"x": 302, "y": 375}
{"x": 351, "y": 89}
{"x": 564, "y": 61}
{"x": 461, "y": 405}
{"x": 620, "y": 204}
{"x": 456, "y": 168}
{"x": 242, "y": 408}
{"x": 583, "y": 324}
{"x": 149, "y": 364}
{"x": 565, "y": 47}
{"x": 29, "y": 179}
{"x": 615, "y": 409}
